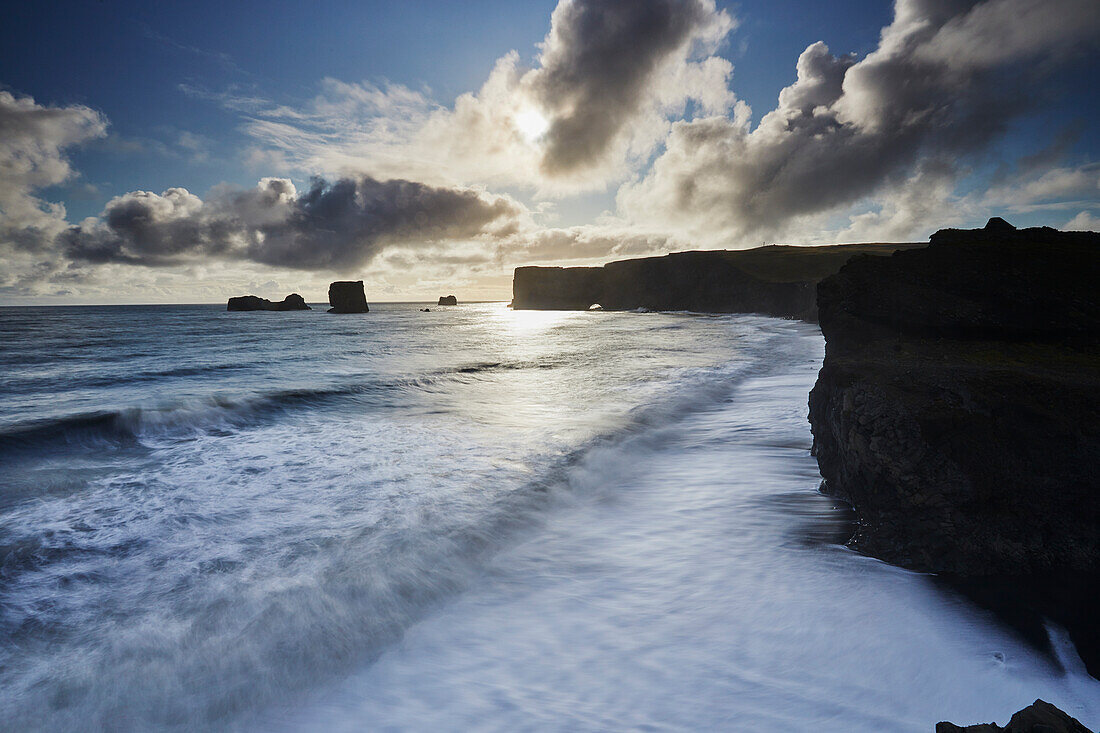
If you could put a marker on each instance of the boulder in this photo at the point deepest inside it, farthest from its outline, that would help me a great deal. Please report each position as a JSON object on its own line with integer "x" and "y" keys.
{"x": 347, "y": 296}
{"x": 292, "y": 302}
{"x": 1039, "y": 717}
{"x": 447, "y": 300}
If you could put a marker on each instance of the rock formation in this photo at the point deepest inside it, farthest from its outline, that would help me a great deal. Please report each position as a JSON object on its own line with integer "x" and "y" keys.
{"x": 958, "y": 408}
{"x": 447, "y": 300}
{"x": 774, "y": 280}
{"x": 292, "y": 302}
{"x": 347, "y": 297}
{"x": 958, "y": 411}
{"x": 1039, "y": 717}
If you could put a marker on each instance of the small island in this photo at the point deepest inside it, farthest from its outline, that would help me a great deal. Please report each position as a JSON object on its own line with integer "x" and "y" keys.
{"x": 447, "y": 300}
{"x": 292, "y": 302}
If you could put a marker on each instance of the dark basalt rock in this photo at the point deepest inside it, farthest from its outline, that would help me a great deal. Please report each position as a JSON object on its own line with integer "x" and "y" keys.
{"x": 447, "y": 300}
{"x": 774, "y": 280}
{"x": 292, "y": 302}
{"x": 347, "y": 297}
{"x": 958, "y": 408}
{"x": 958, "y": 411}
{"x": 1039, "y": 717}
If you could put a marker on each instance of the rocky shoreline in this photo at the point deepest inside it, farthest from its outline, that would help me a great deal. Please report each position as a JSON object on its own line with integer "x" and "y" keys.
{"x": 958, "y": 411}
{"x": 1039, "y": 717}
{"x": 958, "y": 406}
{"x": 775, "y": 280}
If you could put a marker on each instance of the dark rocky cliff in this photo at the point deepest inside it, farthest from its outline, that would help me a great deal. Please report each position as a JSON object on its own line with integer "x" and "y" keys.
{"x": 776, "y": 280}
{"x": 958, "y": 410}
{"x": 958, "y": 407}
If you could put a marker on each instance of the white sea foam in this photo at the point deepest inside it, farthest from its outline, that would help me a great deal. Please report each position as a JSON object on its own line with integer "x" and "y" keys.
{"x": 476, "y": 519}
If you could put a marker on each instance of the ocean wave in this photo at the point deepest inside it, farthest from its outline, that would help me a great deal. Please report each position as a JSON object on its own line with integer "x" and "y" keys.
{"x": 331, "y": 595}
{"x": 130, "y": 426}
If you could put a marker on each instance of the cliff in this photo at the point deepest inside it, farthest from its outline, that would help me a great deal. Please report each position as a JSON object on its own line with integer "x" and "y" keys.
{"x": 347, "y": 296}
{"x": 776, "y": 280}
{"x": 292, "y": 302}
{"x": 958, "y": 407}
{"x": 958, "y": 411}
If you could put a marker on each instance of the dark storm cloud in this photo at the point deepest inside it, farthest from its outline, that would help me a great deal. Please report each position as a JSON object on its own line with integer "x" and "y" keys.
{"x": 330, "y": 226}
{"x": 597, "y": 64}
{"x": 944, "y": 82}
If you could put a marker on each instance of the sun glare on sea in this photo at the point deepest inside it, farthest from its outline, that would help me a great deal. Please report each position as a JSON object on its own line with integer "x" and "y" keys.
{"x": 531, "y": 123}
{"x": 532, "y": 322}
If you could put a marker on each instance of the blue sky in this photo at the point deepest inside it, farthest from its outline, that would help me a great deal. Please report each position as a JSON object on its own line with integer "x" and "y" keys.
{"x": 212, "y": 97}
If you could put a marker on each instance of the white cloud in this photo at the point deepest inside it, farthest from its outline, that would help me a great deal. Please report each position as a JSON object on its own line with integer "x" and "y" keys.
{"x": 609, "y": 78}
{"x": 1085, "y": 221}
{"x": 851, "y": 131}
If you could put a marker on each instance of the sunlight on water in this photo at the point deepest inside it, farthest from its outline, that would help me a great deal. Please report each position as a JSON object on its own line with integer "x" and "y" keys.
{"x": 530, "y": 323}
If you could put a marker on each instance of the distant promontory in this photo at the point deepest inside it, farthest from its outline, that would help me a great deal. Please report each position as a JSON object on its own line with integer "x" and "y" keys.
{"x": 776, "y": 280}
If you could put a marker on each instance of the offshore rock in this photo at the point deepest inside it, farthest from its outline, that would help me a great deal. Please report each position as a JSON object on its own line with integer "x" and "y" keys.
{"x": 774, "y": 280}
{"x": 292, "y": 302}
{"x": 447, "y": 300}
{"x": 347, "y": 296}
{"x": 1039, "y": 717}
{"x": 958, "y": 407}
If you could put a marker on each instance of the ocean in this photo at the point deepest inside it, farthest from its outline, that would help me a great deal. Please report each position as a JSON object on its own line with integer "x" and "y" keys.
{"x": 467, "y": 519}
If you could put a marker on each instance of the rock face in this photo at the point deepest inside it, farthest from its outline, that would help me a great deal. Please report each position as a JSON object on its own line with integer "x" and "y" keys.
{"x": 774, "y": 280}
{"x": 447, "y": 300}
{"x": 1039, "y": 717}
{"x": 958, "y": 408}
{"x": 347, "y": 297}
{"x": 292, "y": 302}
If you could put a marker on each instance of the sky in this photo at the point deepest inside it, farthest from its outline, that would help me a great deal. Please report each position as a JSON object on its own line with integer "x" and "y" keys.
{"x": 189, "y": 152}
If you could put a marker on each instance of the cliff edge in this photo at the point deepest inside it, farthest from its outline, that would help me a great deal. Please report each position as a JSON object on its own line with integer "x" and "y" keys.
{"x": 958, "y": 407}
{"x": 776, "y": 280}
{"x": 958, "y": 411}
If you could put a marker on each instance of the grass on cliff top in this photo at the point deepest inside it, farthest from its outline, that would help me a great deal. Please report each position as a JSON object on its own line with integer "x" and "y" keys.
{"x": 1076, "y": 362}
{"x": 789, "y": 263}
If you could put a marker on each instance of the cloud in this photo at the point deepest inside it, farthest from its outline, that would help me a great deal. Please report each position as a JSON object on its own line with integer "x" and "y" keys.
{"x": 331, "y": 226}
{"x": 33, "y": 142}
{"x": 598, "y": 67}
{"x": 596, "y": 104}
{"x": 33, "y": 139}
{"x": 944, "y": 82}
{"x": 589, "y": 242}
{"x": 1050, "y": 187}
{"x": 1085, "y": 221}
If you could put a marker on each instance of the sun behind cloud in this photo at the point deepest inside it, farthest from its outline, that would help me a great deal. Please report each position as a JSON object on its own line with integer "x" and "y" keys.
{"x": 532, "y": 124}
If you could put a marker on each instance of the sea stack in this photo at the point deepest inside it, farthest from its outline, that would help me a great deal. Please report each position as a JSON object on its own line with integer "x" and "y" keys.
{"x": 447, "y": 300}
{"x": 292, "y": 302}
{"x": 347, "y": 296}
